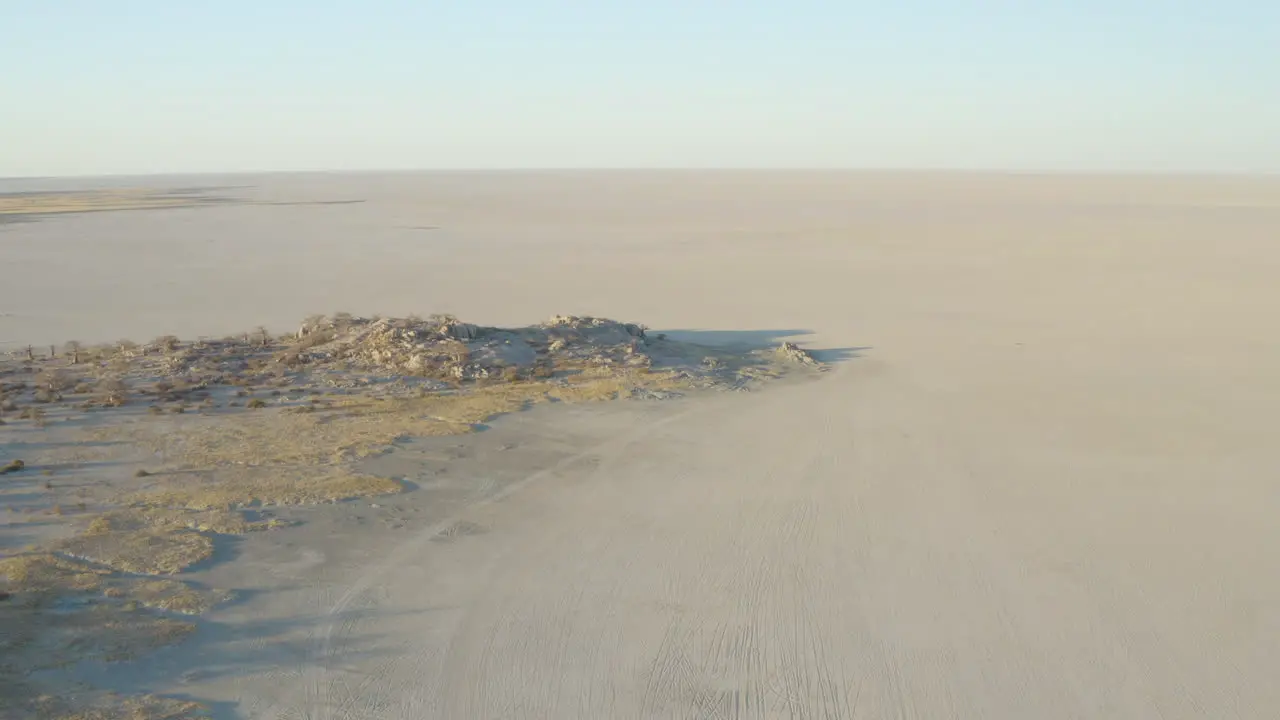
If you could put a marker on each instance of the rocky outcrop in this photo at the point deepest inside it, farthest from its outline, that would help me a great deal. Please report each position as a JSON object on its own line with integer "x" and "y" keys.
{"x": 794, "y": 353}
{"x": 444, "y": 347}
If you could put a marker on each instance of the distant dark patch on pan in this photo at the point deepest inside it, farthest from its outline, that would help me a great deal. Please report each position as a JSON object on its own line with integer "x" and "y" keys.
{"x": 34, "y": 193}
{"x": 194, "y": 201}
{"x": 204, "y": 190}
{"x": 18, "y": 219}
{"x": 314, "y": 202}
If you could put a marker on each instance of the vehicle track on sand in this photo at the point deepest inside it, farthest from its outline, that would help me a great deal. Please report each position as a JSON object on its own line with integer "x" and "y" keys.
{"x": 312, "y": 696}
{"x": 863, "y": 546}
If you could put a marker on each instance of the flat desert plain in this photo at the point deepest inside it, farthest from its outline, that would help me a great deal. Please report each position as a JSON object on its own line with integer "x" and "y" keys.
{"x": 1038, "y": 481}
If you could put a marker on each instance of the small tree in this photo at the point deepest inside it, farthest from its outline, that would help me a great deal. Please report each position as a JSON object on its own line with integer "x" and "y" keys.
{"x": 114, "y": 391}
{"x": 54, "y": 381}
{"x": 166, "y": 343}
{"x": 312, "y": 323}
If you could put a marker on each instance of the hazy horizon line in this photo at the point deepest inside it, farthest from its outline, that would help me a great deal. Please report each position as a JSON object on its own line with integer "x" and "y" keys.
{"x": 674, "y": 169}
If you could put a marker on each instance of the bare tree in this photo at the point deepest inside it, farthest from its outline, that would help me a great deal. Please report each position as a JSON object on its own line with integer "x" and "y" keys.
{"x": 312, "y": 323}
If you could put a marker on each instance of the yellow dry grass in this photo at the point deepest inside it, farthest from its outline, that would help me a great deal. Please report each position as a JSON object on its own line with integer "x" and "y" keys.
{"x": 361, "y": 427}
{"x": 144, "y": 707}
{"x": 353, "y": 430}
{"x": 158, "y": 540}
{"x": 302, "y": 458}
{"x": 602, "y": 385}
{"x": 49, "y": 631}
{"x": 123, "y": 544}
{"x": 48, "y": 573}
{"x": 63, "y": 611}
{"x": 254, "y": 486}
{"x": 167, "y": 595}
{"x": 219, "y": 521}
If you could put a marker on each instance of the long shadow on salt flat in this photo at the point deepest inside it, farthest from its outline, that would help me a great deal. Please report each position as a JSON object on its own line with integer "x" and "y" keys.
{"x": 754, "y": 339}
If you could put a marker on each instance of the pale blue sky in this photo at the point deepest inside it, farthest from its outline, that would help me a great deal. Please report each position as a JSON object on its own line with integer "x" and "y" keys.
{"x": 138, "y": 86}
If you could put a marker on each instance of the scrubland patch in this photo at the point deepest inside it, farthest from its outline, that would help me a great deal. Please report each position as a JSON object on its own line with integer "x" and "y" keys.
{"x": 260, "y": 420}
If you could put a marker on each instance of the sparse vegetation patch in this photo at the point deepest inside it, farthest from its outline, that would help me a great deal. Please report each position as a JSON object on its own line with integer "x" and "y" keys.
{"x": 259, "y": 420}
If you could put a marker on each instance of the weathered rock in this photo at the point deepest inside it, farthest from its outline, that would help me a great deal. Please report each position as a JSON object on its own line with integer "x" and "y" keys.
{"x": 794, "y": 353}
{"x": 460, "y": 331}
{"x": 445, "y": 348}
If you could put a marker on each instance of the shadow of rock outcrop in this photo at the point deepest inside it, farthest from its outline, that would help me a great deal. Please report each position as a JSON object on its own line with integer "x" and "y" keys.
{"x": 758, "y": 339}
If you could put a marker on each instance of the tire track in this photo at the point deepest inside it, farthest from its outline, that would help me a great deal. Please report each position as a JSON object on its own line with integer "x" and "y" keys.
{"x": 317, "y": 669}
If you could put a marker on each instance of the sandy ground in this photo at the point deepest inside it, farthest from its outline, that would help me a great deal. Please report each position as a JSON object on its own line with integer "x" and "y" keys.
{"x": 1038, "y": 482}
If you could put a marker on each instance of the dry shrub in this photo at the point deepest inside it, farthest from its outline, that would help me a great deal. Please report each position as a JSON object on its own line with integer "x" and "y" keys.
{"x": 312, "y": 339}
{"x": 166, "y": 343}
{"x": 54, "y": 380}
{"x": 114, "y": 392}
{"x": 45, "y": 395}
{"x": 168, "y": 595}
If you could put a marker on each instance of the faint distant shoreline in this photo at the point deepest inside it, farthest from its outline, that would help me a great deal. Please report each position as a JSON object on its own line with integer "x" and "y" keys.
{"x": 983, "y": 172}
{"x": 17, "y": 206}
